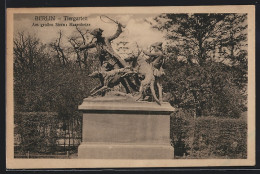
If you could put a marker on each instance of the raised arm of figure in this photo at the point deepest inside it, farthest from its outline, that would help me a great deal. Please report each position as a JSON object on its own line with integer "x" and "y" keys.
{"x": 118, "y": 32}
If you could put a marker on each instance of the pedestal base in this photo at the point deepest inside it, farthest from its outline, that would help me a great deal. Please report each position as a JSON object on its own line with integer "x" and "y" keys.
{"x": 125, "y": 151}
{"x": 119, "y": 129}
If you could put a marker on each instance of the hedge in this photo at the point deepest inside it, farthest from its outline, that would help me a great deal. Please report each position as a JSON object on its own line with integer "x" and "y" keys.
{"x": 208, "y": 137}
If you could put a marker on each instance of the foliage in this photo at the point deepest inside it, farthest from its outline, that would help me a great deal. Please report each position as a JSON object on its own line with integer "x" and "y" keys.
{"x": 206, "y": 62}
{"x": 205, "y": 90}
{"x": 181, "y": 132}
{"x": 209, "y": 137}
{"x": 42, "y": 84}
{"x": 37, "y": 130}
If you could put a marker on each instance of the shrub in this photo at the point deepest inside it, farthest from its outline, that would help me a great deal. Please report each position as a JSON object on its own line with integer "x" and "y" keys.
{"x": 37, "y": 131}
{"x": 181, "y": 133}
{"x": 209, "y": 137}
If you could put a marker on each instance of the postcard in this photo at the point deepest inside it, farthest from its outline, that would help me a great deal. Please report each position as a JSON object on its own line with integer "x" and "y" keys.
{"x": 117, "y": 87}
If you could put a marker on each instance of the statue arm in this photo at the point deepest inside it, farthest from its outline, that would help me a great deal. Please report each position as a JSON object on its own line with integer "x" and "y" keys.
{"x": 147, "y": 53}
{"x": 118, "y": 32}
{"x": 90, "y": 45}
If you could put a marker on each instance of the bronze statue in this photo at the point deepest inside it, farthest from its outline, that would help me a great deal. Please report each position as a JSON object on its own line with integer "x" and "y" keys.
{"x": 106, "y": 53}
{"x": 104, "y": 48}
{"x": 157, "y": 61}
{"x": 139, "y": 73}
{"x": 156, "y": 58}
{"x": 152, "y": 70}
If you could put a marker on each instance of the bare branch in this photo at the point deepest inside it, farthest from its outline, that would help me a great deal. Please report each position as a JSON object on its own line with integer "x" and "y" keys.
{"x": 82, "y": 35}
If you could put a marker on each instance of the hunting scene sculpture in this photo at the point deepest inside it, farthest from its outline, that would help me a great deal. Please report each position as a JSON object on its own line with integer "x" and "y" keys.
{"x": 139, "y": 74}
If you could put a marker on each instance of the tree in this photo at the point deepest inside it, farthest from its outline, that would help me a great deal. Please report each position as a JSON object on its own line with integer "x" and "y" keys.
{"x": 233, "y": 40}
{"x": 199, "y": 74}
{"x": 76, "y": 43}
{"x": 31, "y": 66}
{"x": 43, "y": 84}
{"x": 60, "y": 54}
{"x": 191, "y": 33}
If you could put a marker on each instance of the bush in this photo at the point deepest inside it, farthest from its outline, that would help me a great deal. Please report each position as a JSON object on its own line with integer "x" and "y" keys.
{"x": 180, "y": 133}
{"x": 208, "y": 137}
{"x": 37, "y": 131}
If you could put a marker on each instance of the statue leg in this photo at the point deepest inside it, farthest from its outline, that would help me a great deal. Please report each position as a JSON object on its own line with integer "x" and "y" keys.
{"x": 159, "y": 85}
{"x": 101, "y": 89}
{"x": 153, "y": 92}
{"x": 97, "y": 87}
{"x": 137, "y": 81}
{"x": 125, "y": 85}
{"x": 140, "y": 92}
{"x": 131, "y": 84}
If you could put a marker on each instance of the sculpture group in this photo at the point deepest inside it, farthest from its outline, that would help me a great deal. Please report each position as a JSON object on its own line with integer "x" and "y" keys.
{"x": 139, "y": 76}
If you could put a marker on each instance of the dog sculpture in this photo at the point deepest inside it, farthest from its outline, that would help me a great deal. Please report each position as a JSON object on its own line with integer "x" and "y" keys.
{"x": 109, "y": 79}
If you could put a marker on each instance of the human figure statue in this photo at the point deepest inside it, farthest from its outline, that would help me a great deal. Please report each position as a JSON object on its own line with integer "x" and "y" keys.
{"x": 106, "y": 53}
{"x": 104, "y": 49}
{"x": 156, "y": 59}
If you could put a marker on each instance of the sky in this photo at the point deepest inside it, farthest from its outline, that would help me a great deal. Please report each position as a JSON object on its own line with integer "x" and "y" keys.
{"x": 136, "y": 31}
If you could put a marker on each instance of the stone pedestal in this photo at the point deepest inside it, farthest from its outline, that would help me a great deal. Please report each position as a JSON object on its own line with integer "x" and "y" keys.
{"x": 116, "y": 128}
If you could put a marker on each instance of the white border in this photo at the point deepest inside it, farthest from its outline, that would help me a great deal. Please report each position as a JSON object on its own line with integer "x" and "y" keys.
{"x": 12, "y": 163}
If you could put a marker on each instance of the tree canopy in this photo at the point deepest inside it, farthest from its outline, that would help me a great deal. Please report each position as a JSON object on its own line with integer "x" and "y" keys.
{"x": 207, "y": 61}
